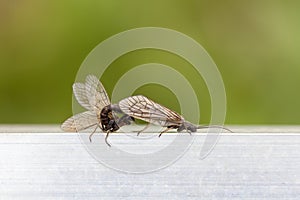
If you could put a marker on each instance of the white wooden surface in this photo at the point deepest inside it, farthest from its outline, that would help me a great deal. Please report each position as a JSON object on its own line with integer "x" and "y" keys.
{"x": 44, "y": 163}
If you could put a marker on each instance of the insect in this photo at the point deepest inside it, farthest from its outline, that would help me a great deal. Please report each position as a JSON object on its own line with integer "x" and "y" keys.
{"x": 92, "y": 96}
{"x": 141, "y": 107}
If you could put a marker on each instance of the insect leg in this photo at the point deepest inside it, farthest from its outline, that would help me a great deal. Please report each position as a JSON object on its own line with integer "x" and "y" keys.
{"x": 190, "y": 132}
{"x": 169, "y": 128}
{"x": 107, "y": 133}
{"x": 181, "y": 128}
{"x": 184, "y": 128}
{"x": 147, "y": 126}
{"x": 90, "y": 137}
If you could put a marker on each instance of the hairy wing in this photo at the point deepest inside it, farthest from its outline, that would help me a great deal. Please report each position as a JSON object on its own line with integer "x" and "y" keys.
{"x": 80, "y": 122}
{"x": 141, "y": 107}
{"x": 80, "y": 95}
{"x": 96, "y": 93}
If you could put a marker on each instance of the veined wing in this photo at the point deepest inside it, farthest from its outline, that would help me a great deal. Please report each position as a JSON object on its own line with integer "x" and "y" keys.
{"x": 141, "y": 107}
{"x": 80, "y": 95}
{"x": 95, "y": 93}
{"x": 80, "y": 122}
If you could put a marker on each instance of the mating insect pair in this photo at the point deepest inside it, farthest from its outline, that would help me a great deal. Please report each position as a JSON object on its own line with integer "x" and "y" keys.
{"x": 93, "y": 97}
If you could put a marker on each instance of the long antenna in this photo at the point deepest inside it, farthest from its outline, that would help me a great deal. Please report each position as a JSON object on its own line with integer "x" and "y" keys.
{"x": 214, "y": 126}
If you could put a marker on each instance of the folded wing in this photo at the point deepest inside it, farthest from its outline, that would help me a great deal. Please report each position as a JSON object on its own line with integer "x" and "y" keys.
{"x": 143, "y": 108}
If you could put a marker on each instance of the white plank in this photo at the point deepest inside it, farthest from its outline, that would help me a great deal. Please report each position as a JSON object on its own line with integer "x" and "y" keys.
{"x": 241, "y": 166}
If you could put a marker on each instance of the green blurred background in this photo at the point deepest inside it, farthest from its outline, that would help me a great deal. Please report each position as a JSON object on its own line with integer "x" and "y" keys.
{"x": 255, "y": 45}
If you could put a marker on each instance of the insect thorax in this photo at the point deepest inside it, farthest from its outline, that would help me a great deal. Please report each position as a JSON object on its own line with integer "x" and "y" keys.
{"x": 189, "y": 126}
{"x": 107, "y": 119}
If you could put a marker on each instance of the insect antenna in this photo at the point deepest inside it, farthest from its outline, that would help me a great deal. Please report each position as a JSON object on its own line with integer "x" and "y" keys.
{"x": 214, "y": 126}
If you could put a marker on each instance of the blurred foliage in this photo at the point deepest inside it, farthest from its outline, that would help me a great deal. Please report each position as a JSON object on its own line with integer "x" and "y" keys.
{"x": 255, "y": 45}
